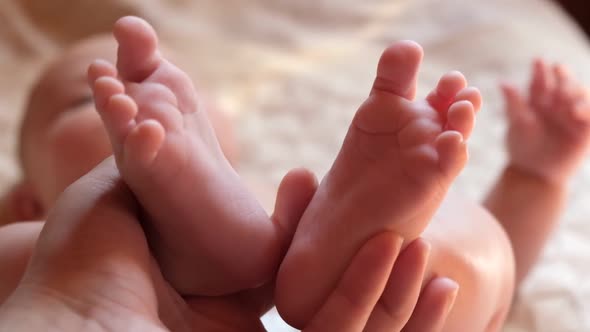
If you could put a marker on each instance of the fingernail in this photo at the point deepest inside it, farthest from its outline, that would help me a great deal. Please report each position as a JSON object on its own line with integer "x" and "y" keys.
{"x": 454, "y": 291}
{"x": 425, "y": 244}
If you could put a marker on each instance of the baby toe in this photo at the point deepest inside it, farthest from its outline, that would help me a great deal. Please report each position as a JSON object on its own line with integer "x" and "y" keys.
{"x": 472, "y": 95}
{"x": 143, "y": 143}
{"x": 461, "y": 118}
{"x": 452, "y": 153}
{"x": 100, "y": 68}
{"x": 446, "y": 90}
{"x": 103, "y": 89}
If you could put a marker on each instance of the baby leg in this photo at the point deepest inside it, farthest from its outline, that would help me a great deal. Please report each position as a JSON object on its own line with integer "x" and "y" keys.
{"x": 470, "y": 247}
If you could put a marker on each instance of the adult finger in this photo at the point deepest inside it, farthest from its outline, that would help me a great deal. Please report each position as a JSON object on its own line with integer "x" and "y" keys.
{"x": 400, "y": 296}
{"x": 434, "y": 306}
{"x": 350, "y": 304}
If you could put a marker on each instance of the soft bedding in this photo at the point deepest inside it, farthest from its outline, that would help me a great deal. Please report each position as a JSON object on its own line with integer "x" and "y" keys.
{"x": 292, "y": 73}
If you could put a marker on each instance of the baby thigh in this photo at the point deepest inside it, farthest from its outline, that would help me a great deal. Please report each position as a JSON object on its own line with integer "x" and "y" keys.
{"x": 470, "y": 247}
{"x": 17, "y": 242}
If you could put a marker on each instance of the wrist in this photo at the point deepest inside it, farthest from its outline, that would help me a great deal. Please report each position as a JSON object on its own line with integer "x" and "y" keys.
{"x": 523, "y": 174}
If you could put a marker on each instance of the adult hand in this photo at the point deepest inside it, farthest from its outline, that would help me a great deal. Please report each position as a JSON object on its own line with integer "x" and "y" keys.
{"x": 92, "y": 270}
{"x": 372, "y": 296}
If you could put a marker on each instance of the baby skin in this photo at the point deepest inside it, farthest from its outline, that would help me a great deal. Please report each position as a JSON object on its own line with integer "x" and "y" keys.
{"x": 208, "y": 232}
{"x": 395, "y": 166}
{"x": 397, "y": 161}
{"x": 547, "y": 140}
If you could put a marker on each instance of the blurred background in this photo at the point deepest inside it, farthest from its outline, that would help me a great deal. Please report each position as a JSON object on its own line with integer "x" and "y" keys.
{"x": 579, "y": 10}
{"x": 292, "y": 73}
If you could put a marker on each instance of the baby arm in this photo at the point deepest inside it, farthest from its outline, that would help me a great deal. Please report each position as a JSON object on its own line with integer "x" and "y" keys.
{"x": 548, "y": 134}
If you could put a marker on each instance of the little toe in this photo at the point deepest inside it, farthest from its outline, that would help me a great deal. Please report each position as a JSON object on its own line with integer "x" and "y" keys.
{"x": 137, "y": 56}
{"x": 452, "y": 152}
{"x": 461, "y": 118}
{"x": 446, "y": 90}
{"x": 472, "y": 95}
{"x": 143, "y": 143}
{"x": 99, "y": 68}
{"x": 397, "y": 70}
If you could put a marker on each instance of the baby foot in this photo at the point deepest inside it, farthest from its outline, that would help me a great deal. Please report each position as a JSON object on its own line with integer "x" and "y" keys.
{"x": 208, "y": 232}
{"x": 394, "y": 168}
{"x": 549, "y": 132}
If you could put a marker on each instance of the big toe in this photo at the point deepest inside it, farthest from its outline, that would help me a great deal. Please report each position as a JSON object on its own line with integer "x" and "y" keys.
{"x": 397, "y": 71}
{"x": 137, "y": 56}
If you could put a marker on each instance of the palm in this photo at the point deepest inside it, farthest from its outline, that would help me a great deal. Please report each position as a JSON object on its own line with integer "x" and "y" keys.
{"x": 103, "y": 251}
{"x": 528, "y": 143}
{"x": 535, "y": 140}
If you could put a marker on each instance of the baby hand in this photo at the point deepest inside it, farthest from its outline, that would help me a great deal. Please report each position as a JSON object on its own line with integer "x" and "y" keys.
{"x": 548, "y": 133}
